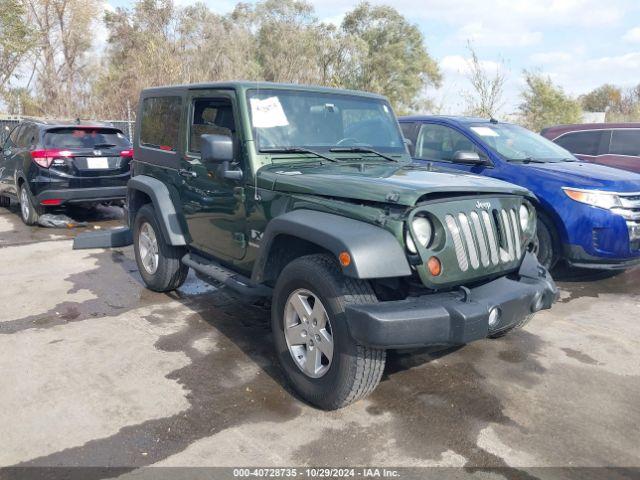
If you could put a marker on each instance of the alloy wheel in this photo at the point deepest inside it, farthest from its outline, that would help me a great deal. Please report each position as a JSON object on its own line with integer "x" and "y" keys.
{"x": 148, "y": 248}
{"x": 308, "y": 333}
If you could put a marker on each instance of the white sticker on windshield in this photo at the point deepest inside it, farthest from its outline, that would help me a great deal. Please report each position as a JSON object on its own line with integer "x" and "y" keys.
{"x": 485, "y": 131}
{"x": 267, "y": 113}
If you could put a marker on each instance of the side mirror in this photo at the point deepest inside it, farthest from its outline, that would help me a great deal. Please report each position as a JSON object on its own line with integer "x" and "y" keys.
{"x": 472, "y": 158}
{"x": 216, "y": 148}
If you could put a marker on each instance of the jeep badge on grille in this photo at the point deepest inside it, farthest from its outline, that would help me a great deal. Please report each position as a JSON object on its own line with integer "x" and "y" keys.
{"x": 485, "y": 205}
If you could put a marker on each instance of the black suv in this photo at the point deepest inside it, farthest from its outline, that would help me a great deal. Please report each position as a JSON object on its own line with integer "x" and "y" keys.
{"x": 46, "y": 164}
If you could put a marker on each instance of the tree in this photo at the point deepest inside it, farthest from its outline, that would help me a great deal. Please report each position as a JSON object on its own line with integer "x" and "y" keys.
{"x": 17, "y": 39}
{"x": 394, "y": 60}
{"x": 604, "y": 98}
{"x": 64, "y": 31}
{"x": 545, "y": 104}
{"x": 486, "y": 99}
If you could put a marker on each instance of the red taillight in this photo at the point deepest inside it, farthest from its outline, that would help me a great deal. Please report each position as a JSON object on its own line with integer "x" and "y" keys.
{"x": 51, "y": 201}
{"x": 44, "y": 158}
{"x": 127, "y": 153}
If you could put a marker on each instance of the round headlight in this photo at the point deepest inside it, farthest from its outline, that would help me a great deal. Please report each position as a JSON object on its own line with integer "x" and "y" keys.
{"x": 409, "y": 242}
{"x": 524, "y": 217}
{"x": 423, "y": 230}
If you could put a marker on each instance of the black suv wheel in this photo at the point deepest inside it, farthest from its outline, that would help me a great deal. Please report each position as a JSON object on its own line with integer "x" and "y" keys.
{"x": 325, "y": 365}
{"x": 29, "y": 211}
{"x": 158, "y": 262}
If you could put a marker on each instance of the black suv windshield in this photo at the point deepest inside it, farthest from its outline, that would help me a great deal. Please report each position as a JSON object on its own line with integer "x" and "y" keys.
{"x": 73, "y": 137}
{"x": 282, "y": 119}
{"x": 517, "y": 144}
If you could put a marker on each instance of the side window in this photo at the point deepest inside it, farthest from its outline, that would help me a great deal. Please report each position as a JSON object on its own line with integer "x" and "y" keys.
{"x": 209, "y": 116}
{"x": 25, "y": 136}
{"x": 408, "y": 130}
{"x": 437, "y": 142}
{"x": 625, "y": 142}
{"x": 12, "y": 140}
{"x": 583, "y": 143}
{"x": 160, "y": 122}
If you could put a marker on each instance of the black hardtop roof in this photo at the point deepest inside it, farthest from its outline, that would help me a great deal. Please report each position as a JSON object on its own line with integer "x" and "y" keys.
{"x": 246, "y": 85}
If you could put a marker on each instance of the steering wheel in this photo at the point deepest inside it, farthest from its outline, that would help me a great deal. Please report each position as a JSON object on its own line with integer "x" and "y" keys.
{"x": 344, "y": 140}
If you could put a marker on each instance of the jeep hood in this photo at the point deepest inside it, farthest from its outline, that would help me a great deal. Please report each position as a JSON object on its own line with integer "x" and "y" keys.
{"x": 402, "y": 184}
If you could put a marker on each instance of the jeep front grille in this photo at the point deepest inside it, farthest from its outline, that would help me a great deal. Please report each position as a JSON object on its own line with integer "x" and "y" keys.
{"x": 481, "y": 238}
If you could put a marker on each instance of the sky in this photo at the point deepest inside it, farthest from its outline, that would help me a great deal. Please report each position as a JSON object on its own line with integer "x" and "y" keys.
{"x": 580, "y": 44}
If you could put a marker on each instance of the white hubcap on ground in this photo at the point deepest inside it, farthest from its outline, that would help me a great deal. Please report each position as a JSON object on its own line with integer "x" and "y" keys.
{"x": 148, "y": 248}
{"x": 24, "y": 203}
{"x": 308, "y": 333}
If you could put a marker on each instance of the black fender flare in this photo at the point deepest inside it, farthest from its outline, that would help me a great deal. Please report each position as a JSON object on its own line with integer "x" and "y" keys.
{"x": 374, "y": 252}
{"x": 160, "y": 197}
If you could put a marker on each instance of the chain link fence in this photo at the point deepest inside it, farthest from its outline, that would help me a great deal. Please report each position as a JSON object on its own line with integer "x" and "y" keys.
{"x": 7, "y": 122}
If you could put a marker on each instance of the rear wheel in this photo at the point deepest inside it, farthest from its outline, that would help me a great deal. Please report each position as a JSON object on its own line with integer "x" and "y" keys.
{"x": 29, "y": 211}
{"x": 159, "y": 263}
{"x": 323, "y": 363}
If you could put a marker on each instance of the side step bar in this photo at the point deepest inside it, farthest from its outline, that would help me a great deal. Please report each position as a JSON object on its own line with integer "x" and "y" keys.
{"x": 229, "y": 278}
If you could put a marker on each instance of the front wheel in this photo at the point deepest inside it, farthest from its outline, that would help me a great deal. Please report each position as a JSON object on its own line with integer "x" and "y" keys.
{"x": 159, "y": 263}
{"x": 546, "y": 250}
{"x": 321, "y": 360}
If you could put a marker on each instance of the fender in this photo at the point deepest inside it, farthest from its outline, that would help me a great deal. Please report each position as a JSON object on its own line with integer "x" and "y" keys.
{"x": 375, "y": 252}
{"x": 161, "y": 200}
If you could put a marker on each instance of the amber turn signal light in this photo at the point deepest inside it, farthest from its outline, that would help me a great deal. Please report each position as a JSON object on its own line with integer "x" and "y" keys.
{"x": 434, "y": 266}
{"x": 345, "y": 259}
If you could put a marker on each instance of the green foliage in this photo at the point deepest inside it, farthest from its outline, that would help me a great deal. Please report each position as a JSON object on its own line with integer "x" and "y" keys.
{"x": 17, "y": 39}
{"x": 394, "y": 60}
{"x": 603, "y": 98}
{"x": 545, "y": 104}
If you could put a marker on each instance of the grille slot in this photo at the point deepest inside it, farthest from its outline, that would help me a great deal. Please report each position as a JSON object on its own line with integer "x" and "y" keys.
{"x": 480, "y": 240}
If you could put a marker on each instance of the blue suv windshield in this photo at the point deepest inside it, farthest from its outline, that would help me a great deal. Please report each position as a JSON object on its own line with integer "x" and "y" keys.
{"x": 289, "y": 119}
{"x": 517, "y": 144}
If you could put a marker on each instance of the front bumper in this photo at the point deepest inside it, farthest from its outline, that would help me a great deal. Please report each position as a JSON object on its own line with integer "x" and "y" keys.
{"x": 453, "y": 318}
{"x": 577, "y": 257}
{"x": 84, "y": 195}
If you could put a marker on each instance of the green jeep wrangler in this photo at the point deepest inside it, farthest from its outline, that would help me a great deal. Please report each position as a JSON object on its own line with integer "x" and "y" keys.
{"x": 307, "y": 196}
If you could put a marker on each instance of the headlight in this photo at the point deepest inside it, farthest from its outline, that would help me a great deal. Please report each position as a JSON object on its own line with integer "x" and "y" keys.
{"x": 524, "y": 217}
{"x": 409, "y": 242}
{"x": 423, "y": 230}
{"x": 593, "y": 197}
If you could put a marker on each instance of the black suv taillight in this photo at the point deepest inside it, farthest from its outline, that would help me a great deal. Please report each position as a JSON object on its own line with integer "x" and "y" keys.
{"x": 45, "y": 158}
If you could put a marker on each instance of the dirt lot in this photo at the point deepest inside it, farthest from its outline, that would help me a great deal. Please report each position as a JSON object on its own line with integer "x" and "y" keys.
{"x": 98, "y": 371}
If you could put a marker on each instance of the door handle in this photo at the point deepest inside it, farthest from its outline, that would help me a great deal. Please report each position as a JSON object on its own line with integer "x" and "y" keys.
{"x": 183, "y": 172}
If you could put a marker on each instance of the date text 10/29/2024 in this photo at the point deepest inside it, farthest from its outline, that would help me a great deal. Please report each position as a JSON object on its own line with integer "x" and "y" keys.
{"x": 363, "y": 472}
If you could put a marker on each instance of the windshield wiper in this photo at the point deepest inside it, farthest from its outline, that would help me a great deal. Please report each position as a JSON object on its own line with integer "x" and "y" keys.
{"x": 528, "y": 160}
{"x": 361, "y": 150}
{"x": 296, "y": 150}
{"x": 104, "y": 145}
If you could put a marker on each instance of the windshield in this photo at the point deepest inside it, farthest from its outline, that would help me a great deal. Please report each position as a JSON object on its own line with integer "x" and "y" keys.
{"x": 85, "y": 138}
{"x": 515, "y": 143}
{"x": 284, "y": 119}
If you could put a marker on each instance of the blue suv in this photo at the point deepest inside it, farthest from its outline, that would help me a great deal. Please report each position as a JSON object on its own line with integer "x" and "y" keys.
{"x": 588, "y": 214}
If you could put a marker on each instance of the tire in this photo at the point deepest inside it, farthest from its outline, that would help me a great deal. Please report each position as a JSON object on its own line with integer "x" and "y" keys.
{"x": 169, "y": 272}
{"x": 5, "y": 202}
{"x": 29, "y": 211}
{"x": 354, "y": 370}
{"x": 546, "y": 250}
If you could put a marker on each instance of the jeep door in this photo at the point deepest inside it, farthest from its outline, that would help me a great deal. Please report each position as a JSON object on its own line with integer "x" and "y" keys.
{"x": 214, "y": 206}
